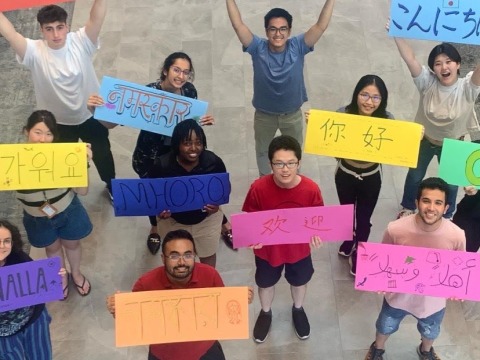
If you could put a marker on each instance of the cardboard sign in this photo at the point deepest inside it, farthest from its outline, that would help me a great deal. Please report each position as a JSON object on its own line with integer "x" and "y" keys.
{"x": 30, "y": 283}
{"x": 169, "y": 316}
{"x": 363, "y": 138}
{"x": 416, "y": 270}
{"x": 135, "y": 197}
{"x": 6, "y": 5}
{"x": 293, "y": 226}
{"x": 43, "y": 166}
{"x": 145, "y": 108}
{"x": 459, "y": 163}
{"x": 439, "y": 20}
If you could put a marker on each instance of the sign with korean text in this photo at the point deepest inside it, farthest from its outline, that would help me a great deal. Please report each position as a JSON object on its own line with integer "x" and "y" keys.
{"x": 30, "y": 283}
{"x": 145, "y": 108}
{"x": 135, "y": 197}
{"x": 169, "y": 316}
{"x": 43, "y": 166}
{"x": 6, "y": 5}
{"x": 416, "y": 270}
{"x": 439, "y": 20}
{"x": 459, "y": 164}
{"x": 293, "y": 226}
{"x": 363, "y": 138}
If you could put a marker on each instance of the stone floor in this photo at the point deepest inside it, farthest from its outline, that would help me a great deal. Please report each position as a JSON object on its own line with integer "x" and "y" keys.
{"x": 136, "y": 37}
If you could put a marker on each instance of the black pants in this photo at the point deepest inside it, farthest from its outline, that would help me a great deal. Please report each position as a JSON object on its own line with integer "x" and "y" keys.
{"x": 471, "y": 226}
{"x": 214, "y": 353}
{"x": 93, "y": 132}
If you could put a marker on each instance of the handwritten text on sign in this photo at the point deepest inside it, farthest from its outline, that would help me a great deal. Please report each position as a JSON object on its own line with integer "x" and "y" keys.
{"x": 440, "y": 20}
{"x": 460, "y": 163}
{"x": 145, "y": 108}
{"x": 415, "y": 270}
{"x": 364, "y": 138}
{"x": 293, "y": 226}
{"x": 135, "y": 197}
{"x": 43, "y": 166}
{"x": 168, "y": 316}
{"x": 6, "y": 5}
{"x": 30, "y": 283}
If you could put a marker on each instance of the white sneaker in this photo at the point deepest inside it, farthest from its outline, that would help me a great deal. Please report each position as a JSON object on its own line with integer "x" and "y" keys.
{"x": 405, "y": 212}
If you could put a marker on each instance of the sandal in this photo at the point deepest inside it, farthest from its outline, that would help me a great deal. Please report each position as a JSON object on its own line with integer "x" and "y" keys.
{"x": 80, "y": 287}
{"x": 227, "y": 238}
{"x": 66, "y": 289}
{"x": 153, "y": 243}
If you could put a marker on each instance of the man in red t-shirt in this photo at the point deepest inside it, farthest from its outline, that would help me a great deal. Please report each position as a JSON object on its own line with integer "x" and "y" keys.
{"x": 285, "y": 188}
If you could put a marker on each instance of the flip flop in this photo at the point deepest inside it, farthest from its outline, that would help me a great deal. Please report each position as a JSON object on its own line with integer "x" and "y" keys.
{"x": 66, "y": 289}
{"x": 79, "y": 288}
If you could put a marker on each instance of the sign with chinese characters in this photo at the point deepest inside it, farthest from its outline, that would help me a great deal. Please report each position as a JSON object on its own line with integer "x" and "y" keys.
{"x": 459, "y": 163}
{"x": 416, "y": 270}
{"x": 43, "y": 166}
{"x": 135, "y": 197}
{"x": 293, "y": 226}
{"x": 145, "y": 108}
{"x": 363, "y": 138}
{"x": 169, "y": 316}
{"x": 6, "y": 5}
{"x": 30, "y": 283}
{"x": 439, "y": 20}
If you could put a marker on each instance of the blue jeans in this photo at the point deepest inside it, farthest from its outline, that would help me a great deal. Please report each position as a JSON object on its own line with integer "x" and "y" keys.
{"x": 415, "y": 176}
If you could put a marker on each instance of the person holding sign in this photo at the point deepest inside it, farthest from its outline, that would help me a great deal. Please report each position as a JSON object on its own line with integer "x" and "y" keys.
{"x": 278, "y": 84}
{"x": 189, "y": 156}
{"x": 467, "y": 217}
{"x": 428, "y": 229}
{"x": 180, "y": 271}
{"x": 283, "y": 189}
{"x": 55, "y": 219}
{"x": 24, "y": 332}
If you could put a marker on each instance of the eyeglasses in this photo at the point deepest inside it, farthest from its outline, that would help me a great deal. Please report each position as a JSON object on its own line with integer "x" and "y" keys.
{"x": 185, "y": 257}
{"x": 6, "y": 243}
{"x": 178, "y": 71}
{"x": 366, "y": 96}
{"x": 272, "y": 30}
{"x": 281, "y": 165}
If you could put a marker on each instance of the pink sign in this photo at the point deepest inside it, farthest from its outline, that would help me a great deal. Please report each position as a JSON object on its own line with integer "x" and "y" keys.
{"x": 416, "y": 270}
{"x": 293, "y": 226}
{"x": 7, "y": 5}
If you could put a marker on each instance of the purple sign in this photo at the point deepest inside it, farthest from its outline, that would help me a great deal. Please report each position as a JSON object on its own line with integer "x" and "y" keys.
{"x": 30, "y": 283}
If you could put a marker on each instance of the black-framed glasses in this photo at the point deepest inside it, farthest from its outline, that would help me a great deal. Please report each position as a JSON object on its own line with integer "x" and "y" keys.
{"x": 273, "y": 30}
{"x": 366, "y": 96}
{"x": 281, "y": 165}
{"x": 185, "y": 257}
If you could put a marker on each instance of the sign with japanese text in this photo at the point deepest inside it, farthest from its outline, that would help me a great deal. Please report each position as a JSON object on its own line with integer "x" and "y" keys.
{"x": 169, "y": 316}
{"x": 135, "y": 197}
{"x": 293, "y": 226}
{"x": 439, "y": 20}
{"x": 363, "y": 138}
{"x": 43, "y": 166}
{"x": 6, "y": 5}
{"x": 459, "y": 163}
{"x": 145, "y": 108}
{"x": 416, "y": 270}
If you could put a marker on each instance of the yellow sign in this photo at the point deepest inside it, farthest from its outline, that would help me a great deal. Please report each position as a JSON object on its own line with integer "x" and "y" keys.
{"x": 365, "y": 138}
{"x": 169, "y": 316}
{"x": 43, "y": 166}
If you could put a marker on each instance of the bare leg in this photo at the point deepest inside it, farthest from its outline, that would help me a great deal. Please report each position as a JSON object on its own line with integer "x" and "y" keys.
{"x": 209, "y": 260}
{"x": 73, "y": 251}
{"x": 266, "y": 296}
{"x": 380, "y": 340}
{"x": 56, "y": 249}
{"x": 426, "y": 344}
{"x": 298, "y": 295}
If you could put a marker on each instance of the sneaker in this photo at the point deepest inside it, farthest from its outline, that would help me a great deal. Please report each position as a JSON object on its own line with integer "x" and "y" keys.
{"x": 262, "y": 326}
{"x": 374, "y": 353}
{"x": 405, "y": 212}
{"x": 227, "y": 238}
{"x": 346, "y": 248}
{"x": 352, "y": 260}
{"x": 427, "y": 355}
{"x": 300, "y": 323}
{"x": 153, "y": 243}
{"x": 110, "y": 194}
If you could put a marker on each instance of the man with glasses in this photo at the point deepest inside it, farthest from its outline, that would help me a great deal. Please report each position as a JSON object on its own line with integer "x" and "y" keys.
{"x": 285, "y": 188}
{"x": 278, "y": 83}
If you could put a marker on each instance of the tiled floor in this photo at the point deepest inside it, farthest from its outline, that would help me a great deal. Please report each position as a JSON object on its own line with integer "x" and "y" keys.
{"x": 136, "y": 38}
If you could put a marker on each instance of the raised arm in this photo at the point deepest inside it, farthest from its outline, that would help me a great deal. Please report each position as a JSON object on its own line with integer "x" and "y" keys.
{"x": 316, "y": 31}
{"x": 16, "y": 40}
{"x": 95, "y": 22}
{"x": 407, "y": 54}
{"x": 243, "y": 32}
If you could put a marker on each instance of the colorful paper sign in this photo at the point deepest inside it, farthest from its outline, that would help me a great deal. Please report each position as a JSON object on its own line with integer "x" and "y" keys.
{"x": 416, "y": 270}
{"x": 135, "y": 197}
{"x": 145, "y": 108}
{"x": 30, "y": 283}
{"x": 363, "y": 138}
{"x": 439, "y": 20}
{"x": 43, "y": 166}
{"x": 459, "y": 163}
{"x": 292, "y": 226}
{"x": 6, "y": 5}
{"x": 170, "y": 316}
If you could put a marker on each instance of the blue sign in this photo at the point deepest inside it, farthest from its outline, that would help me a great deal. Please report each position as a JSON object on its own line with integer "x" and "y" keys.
{"x": 135, "y": 197}
{"x": 145, "y": 108}
{"x": 439, "y": 20}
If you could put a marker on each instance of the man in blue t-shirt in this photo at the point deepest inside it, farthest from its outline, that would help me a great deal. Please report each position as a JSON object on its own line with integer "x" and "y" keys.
{"x": 278, "y": 84}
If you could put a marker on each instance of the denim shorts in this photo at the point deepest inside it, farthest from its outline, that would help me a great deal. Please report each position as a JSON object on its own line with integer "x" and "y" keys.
{"x": 390, "y": 318}
{"x": 297, "y": 274}
{"x": 71, "y": 224}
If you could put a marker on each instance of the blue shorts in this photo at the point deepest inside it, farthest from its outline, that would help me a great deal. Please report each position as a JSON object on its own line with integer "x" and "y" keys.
{"x": 71, "y": 224}
{"x": 297, "y": 274}
{"x": 390, "y": 318}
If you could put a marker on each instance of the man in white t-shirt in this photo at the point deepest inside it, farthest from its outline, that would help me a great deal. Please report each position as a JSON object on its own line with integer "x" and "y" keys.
{"x": 63, "y": 76}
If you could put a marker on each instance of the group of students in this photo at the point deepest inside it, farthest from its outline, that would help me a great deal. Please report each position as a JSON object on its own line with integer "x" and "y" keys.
{"x": 66, "y": 85}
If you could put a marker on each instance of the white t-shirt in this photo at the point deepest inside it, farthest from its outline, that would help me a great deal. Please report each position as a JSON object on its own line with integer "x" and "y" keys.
{"x": 63, "y": 79}
{"x": 446, "y": 111}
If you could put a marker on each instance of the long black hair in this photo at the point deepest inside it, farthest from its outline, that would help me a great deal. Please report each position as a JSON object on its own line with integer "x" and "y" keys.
{"x": 366, "y": 80}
